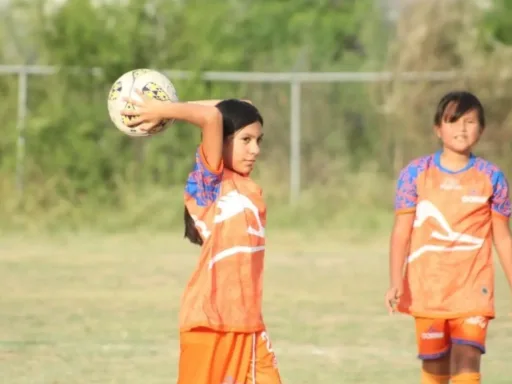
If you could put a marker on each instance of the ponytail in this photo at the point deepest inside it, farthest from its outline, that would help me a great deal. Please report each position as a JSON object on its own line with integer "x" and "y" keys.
{"x": 191, "y": 231}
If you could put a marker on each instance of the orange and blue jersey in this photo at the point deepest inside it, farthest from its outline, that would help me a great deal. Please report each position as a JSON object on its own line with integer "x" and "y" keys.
{"x": 449, "y": 270}
{"x": 225, "y": 291}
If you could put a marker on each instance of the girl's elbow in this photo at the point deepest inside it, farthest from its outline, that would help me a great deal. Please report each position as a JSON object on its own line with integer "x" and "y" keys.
{"x": 213, "y": 117}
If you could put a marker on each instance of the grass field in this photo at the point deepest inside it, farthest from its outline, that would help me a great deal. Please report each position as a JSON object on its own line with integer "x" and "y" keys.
{"x": 89, "y": 309}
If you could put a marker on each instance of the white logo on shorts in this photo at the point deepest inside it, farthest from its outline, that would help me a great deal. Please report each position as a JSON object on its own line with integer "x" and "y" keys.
{"x": 477, "y": 320}
{"x": 432, "y": 334}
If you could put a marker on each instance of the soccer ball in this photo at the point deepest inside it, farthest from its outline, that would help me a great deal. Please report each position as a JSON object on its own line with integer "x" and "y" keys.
{"x": 153, "y": 84}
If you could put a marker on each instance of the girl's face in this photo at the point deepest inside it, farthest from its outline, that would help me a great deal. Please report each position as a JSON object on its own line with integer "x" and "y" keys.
{"x": 241, "y": 150}
{"x": 461, "y": 135}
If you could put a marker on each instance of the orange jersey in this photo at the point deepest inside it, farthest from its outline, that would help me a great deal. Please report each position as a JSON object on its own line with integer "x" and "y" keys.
{"x": 449, "y": 271}
{"x": 225, "y": 291}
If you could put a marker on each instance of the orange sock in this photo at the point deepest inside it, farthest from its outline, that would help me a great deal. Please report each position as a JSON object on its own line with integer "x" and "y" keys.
{"x": 428, "y": 378}
{"x": 466, "y": 378}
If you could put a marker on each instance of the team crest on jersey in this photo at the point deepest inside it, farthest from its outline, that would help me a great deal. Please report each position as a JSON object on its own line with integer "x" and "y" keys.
{"x": 450, "y": 184}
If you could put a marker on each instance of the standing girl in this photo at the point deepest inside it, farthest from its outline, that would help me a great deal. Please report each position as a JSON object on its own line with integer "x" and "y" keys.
{"x": 450, "y": 207}
{"x": 223, "y": 338}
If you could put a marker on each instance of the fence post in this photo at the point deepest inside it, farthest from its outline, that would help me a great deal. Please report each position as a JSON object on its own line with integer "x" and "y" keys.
{"x": 20, "y": 128}
{"x": 295, "y": 88}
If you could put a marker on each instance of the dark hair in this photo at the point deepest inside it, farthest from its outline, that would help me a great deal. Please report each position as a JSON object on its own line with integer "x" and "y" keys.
{"x": 453, "y": 105}
{"x": 236, "y": 114}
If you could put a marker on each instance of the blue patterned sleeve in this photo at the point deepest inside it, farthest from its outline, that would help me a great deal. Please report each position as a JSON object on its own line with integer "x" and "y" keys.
{"x": 406, "y": 195}
{"x": 500, "y": 201}
{"x": 203, "y": 184}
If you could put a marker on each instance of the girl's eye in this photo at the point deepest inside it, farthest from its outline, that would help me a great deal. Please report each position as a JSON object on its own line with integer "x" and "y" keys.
{"x": 246, "y": 139}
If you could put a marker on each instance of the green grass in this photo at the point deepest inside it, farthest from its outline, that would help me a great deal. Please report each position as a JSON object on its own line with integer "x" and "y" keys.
{"x": 103, "y": 309}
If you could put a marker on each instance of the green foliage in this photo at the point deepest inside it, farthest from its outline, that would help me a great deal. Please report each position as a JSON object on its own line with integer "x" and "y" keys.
{"x": 77, "y": 164}
{"x": 79, "y": 169}
{"x": 498, "y": 22}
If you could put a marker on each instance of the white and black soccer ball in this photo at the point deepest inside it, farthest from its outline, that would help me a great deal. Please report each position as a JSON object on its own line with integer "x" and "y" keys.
{"x": 153, "y": 84}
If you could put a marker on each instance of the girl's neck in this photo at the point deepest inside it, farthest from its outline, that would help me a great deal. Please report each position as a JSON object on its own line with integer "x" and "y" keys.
{"x": 454, "y": 161}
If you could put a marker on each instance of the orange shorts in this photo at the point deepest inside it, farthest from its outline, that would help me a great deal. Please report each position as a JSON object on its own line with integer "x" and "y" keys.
{"x": 210, "y": 357}
{"x": 436, "y": 336}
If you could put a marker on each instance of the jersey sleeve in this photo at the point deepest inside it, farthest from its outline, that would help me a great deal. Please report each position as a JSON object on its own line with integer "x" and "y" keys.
{"x": 500, "y": 200}
{"x": 406, "y": 195}
{"x": 203, "y": 183}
